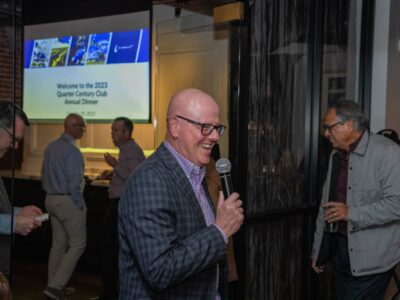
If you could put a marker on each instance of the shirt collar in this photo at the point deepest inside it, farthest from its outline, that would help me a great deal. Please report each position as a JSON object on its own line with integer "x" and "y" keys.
{"x": 125, "y": 145}
{"x": 354, "y": 145}
{"x": 191, "y": 170}
{"x": 66, "y": 136}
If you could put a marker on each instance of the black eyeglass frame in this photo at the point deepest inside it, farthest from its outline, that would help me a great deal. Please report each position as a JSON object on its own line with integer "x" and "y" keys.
{"x": 206, "y": 129}
{"x": 329, "y": 127}
{"x": 12, "y": 136}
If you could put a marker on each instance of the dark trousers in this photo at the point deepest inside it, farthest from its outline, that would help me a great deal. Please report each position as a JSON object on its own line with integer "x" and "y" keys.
{"x": 351, "y": 287}
{"x": 110, "y": 268}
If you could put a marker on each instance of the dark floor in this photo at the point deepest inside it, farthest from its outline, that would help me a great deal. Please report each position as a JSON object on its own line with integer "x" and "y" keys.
{"x": 29, "y": 280}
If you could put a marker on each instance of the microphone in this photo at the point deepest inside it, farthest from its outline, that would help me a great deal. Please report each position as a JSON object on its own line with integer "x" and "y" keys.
{"x": 223, "y": 166}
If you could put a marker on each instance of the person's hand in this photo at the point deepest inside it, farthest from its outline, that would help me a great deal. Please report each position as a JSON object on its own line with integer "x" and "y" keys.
{"x": 4, "y": 287}
{"x": 230, "y": 214}
{"x": 336, "y": 211}
{"x": 106, "y": 174}
{"x": 25, "y": 225}
{"x": 317, "y": 269}
{"x": 30, "y": 211}
{"x": 110, "y": 160}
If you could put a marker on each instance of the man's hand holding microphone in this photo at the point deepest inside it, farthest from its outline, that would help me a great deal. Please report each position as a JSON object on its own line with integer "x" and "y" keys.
{"x": 230, "y": 213}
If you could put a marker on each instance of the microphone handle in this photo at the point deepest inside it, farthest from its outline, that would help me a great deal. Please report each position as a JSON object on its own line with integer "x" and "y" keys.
{"x": 226, "y": 182}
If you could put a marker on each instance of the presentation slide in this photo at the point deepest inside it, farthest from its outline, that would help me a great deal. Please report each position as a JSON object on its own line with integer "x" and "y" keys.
{"x": 100, "y": 74}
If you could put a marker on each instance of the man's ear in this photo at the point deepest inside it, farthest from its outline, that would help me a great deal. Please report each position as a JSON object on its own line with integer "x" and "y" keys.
{"x": 350, "y": 124}
{"x": 173, "y": 126}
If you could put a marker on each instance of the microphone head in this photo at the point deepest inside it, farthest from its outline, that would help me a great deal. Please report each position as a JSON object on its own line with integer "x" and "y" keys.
{"x": 223, "y": 165}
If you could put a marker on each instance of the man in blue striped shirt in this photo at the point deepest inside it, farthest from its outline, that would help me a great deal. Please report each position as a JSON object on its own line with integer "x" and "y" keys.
{"x": 62, "y": 179}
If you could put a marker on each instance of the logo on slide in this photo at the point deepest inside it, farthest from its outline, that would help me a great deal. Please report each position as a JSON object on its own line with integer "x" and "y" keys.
{"x": 118, "y": 47}
{"x": 123, "y": 47}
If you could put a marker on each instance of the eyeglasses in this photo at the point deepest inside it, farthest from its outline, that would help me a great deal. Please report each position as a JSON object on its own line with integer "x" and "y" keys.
{"x": 206, "y": 129}
{"x": 83, "y": 126}
{"x": 329, "y": 127}
{"x": 13, "y": 138}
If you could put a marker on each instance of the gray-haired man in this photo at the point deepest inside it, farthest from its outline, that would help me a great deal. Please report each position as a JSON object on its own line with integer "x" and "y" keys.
{"x": 362, "y": 193}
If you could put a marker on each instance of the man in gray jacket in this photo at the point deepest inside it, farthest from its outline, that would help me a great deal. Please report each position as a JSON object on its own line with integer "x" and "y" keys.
{"x": 362, "y": 193}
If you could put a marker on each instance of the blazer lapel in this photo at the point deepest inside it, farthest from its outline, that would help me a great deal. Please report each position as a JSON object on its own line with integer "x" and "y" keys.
{"x": 5, "y": 205}
{"x": 182, "y": 181}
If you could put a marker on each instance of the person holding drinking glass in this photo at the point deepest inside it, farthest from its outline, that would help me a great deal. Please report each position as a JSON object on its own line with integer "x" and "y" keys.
{"x": 360, "y": 205}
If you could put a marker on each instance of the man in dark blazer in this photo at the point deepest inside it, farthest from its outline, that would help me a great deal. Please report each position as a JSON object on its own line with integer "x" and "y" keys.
{"x": 173, "y": 243}
{"x": 13, "y": 122}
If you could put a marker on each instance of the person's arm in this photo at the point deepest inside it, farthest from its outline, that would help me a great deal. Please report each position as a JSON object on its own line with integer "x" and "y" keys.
{"x": 23, "y": 225}
{"x": 319, "y": 227}
{"x": 127, "y": 162}
{"x": 379, "y": 206}
{"x": 5, "y": 224}
{"x": 319, "y": 231}
{"x": 230, "y": 215}
{"x": 110, "y": 160}
{"x": 74, "y": 176}
{"x": 148, "y": 219}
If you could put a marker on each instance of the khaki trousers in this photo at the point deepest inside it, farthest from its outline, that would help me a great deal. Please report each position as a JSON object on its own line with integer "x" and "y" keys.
{"x": 68, "y": 224}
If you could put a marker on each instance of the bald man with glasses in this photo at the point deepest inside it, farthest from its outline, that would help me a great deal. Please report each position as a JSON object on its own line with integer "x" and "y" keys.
{"x": 173, "y": 243}
{"x": 62, "y": 180}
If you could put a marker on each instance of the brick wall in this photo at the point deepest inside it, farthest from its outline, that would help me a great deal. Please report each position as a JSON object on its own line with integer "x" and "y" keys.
{"x": 6, "y": 54}
{"x": 7, "y": 68}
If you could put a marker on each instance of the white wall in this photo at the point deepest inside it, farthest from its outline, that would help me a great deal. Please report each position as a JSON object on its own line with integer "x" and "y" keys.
{"x": 393, "y": 78}
{"x": 380, "y": 65}
{"x": 191, "y": 52}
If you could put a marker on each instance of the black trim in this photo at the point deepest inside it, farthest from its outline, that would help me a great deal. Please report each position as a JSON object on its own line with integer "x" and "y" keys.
{"x": 315, "y": 62}
{"x": 13, "y": 154}
{"x": 238, "y": 119}
{"x": 366, "y": 53}
{"x": 47, "y": 11}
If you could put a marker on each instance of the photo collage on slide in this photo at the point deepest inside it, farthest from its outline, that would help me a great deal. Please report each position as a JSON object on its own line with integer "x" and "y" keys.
{"x": 89, "y": 49}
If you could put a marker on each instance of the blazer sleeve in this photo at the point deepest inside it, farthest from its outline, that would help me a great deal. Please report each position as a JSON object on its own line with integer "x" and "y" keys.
{"x": 153, "y": 219}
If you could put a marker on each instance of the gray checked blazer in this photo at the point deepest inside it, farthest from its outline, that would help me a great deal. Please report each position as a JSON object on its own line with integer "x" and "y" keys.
{"x": 5, "y": 223}
{"x": 166, "y": 249}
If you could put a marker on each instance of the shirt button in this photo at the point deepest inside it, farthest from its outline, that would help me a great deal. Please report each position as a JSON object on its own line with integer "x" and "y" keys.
{"x": 351, "y": 168}
{"x": 349, "y": 187}
{"x": 351, "y": 249}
